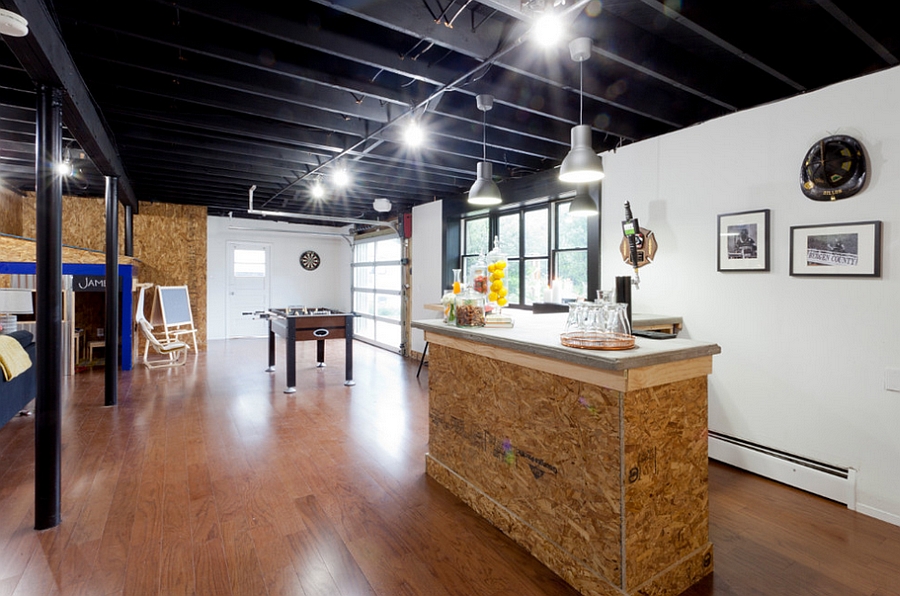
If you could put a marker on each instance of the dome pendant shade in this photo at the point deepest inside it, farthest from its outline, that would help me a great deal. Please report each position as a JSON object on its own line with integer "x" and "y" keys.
{"x": 583, "y": 204}
{"x": 12, "y": 25}
{"x": 581, "y": 164}
{"x": 485, "y": 191}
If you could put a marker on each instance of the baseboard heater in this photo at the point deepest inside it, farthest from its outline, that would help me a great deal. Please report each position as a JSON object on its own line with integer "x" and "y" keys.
{"x": 826, "y": 480}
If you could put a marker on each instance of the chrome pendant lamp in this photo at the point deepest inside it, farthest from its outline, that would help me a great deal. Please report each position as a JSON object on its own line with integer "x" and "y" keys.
{"x": 485, "y": 191}
{"x": 582, "y": 164}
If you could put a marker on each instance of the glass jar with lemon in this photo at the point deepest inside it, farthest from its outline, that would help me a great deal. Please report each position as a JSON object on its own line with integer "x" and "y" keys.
{"x": 496, "y": 273}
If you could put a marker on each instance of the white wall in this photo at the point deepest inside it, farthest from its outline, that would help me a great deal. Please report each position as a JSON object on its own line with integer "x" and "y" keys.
{"x": 425, "y": 255}
{"x": 803, "y": 360}
{"x": 327, "y": 286}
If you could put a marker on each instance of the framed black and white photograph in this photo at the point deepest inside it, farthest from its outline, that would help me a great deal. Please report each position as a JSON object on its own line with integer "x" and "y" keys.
{"x": 744, "y": 241}
{"x": 845, "y": 249}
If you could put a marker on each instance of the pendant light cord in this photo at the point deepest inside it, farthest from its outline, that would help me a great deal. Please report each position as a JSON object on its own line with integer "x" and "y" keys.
{"x": 484, "y": 135}
{"x": 581, "y": 92}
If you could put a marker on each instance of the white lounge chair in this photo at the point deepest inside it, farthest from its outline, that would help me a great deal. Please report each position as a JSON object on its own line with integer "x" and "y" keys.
{"x": 174, "y": 350}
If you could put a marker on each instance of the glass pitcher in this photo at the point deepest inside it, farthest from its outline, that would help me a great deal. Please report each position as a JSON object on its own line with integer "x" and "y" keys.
{"x": 616, "y": 319}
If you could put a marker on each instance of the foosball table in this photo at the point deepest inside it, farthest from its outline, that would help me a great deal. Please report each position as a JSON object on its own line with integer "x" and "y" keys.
{"x": 299, "y": 323}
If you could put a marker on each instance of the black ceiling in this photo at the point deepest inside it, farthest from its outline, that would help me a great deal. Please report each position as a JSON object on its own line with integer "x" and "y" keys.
{"x": 199, "y": 100}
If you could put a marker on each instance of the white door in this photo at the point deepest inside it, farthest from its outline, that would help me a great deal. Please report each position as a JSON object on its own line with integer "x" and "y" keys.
{"x": 248, "y": 289}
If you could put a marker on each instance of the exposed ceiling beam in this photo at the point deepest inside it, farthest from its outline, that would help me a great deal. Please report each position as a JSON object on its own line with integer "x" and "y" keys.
{"x": 48, "y": 62}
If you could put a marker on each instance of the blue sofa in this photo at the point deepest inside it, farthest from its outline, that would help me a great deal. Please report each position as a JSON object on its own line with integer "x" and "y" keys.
{"x": 16, "y": 393}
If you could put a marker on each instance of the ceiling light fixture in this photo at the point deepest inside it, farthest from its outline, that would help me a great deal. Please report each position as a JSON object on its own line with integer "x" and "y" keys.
{"x": 12, "y": 25}
{"x": 317, "y": 191}
{"x": 341, "y": 178}
{"x": 582, "y": 164}
{"x": 414, "y": 135}
{"x": 485, "y": 191}
{"x": 381, "y": 205}
{"x": 547, "y": 29}
{"x": 583, "y": 204}
{"x": 66, "y": 167}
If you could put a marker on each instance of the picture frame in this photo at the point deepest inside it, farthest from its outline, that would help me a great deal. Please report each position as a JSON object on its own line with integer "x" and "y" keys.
{"x": 837, "y": 250}
{"x": 743, "y": 241}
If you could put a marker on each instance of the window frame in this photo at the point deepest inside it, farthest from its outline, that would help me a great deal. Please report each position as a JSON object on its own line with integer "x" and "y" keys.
{"x": 551, "y": 256}
{"x": 374, "y": 292}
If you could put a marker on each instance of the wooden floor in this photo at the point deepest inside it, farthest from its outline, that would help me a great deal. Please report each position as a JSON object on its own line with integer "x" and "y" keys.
{"x": 209, "y": 480}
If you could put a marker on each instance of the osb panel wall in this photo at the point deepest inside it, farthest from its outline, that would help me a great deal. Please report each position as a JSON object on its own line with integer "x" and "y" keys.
{"x": 11, "y": 206}
{"x": 24, "y": 250}
{"x": 607, "y": 488}
{"x": 169, "y": 243}
{"x": 666, "y": 491}
{"x": 545, "y": 447}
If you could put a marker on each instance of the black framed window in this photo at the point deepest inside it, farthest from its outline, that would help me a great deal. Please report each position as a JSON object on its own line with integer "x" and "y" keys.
{"x": 542, "y": 242}
{"x": 475, "y": 242}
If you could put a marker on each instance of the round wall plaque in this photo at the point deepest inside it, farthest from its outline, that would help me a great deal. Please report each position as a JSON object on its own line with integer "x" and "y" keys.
{"x": 310, "y": 260}
{"x": 834, "y": 168}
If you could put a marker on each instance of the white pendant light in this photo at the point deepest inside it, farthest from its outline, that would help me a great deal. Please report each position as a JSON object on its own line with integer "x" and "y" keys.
{"x": 582, "y": 164}
{"x": 12, "y": 25}
{"x": 485, "y": 191}
{"x": 583, "y": 204}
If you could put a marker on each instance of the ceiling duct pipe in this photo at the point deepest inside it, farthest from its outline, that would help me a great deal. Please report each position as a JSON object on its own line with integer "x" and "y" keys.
{"x": 322, "y": 218}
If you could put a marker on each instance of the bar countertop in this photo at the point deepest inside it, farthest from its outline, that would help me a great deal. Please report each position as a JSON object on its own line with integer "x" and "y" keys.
{"x": 539, "y": 335}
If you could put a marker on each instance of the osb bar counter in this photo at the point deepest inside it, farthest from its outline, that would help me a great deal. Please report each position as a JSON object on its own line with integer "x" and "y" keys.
{"x": 594, "y": 461}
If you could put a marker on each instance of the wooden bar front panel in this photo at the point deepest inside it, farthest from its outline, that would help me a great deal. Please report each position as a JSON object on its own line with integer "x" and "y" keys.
{"x": 607, "y": 488}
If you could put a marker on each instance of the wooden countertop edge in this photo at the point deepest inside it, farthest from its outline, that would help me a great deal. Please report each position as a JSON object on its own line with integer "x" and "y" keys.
{"x": 619, "y": 380}
{"x": 648, "y": 352}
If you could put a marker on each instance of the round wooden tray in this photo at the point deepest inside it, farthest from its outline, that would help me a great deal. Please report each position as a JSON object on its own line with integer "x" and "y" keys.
{"x": 593, "y": 340}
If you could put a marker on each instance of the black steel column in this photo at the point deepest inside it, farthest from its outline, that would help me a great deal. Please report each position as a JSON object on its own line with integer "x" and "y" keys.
{"x": 48, "y": 315}
{"x": 112, "y": 292}
{"x": 129, "y": 231}
{"x": 348, "y": 354}
{"x": 290, "y": 354}
{"x": 271, "y": 347}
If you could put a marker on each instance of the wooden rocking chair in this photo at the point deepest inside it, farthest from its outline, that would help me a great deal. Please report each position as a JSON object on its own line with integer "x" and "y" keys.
{"x": 175, "y": 350}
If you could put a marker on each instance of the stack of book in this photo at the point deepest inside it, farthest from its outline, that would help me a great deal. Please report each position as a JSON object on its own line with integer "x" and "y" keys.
{"x": 498, "y": 321}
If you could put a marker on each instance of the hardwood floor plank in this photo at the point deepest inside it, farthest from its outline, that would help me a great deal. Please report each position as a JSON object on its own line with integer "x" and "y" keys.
{"x": 18, "y": 538}
{"x": 276, "y": 560}
{"x": 338, "y": 559}
{"x": 112, "y": 558}
{"x": 142, "y": 568}
{"x": 40, "y": 575}
{"x": 211, "y": 568}
{"x": 176, "y": 558}
{"x": 8, "y": 585}
{"x": 309, "y": 564}
{"x": 244, "y": 571}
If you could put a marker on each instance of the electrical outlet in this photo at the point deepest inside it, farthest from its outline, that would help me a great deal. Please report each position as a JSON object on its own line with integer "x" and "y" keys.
{"x": 892, "y": 379}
